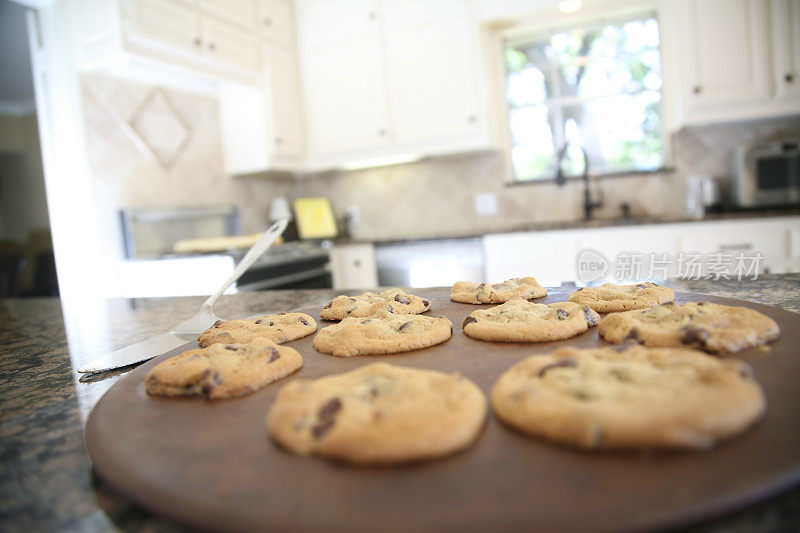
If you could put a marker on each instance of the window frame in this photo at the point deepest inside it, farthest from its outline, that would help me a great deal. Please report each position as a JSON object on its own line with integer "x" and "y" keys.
{"x": 545, "y": 28}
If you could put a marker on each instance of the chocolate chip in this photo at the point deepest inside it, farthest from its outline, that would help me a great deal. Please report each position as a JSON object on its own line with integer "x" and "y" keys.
{"x": 351, "y": 299}
{"x": 633, "y": 335}
{"x": 582, "y": 395}
{"x": 367, "y": 321}
{"x": 210, "y": 379}
{"x": 621, "y": 374}
{"x": 404, "y": 326}
{"x": 579, "y": 289}
{"x": 391, "y": 309}
{"x": 567, "y": 362}
{"x": 304, "y": 321}
{"x": 691, "y": 334}
{"x": 702, "y": 303}
{"x": 271, "y": 323}
{"x": 283, "y": 313}
{"x": 745, "y": 370}
{"x": 328, "y": 410}
{"x": 323, "y": 427}
{"x": 328, "y": 306}
{"x": 591, "y": 319}
{"x": 426, "y": 303}
{"x": 642, "y": 286}
{"x": 231, "y": 347}
{"x": 562, "y": 314}
{"x": 468, "y": 320}
{"x": 275, "y": 355}
{"x": 402, "y": 299}
{"x": 218, "y": 323}
{"x": 374, "y": 392}
{"x": 258, "y": 321}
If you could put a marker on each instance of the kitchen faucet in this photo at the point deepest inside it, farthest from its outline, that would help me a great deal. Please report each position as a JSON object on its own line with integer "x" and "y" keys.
{"x": 589, "y": 205}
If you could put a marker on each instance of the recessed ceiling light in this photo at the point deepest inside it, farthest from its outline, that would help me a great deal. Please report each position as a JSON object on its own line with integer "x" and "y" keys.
{"x": 569, "y": 6}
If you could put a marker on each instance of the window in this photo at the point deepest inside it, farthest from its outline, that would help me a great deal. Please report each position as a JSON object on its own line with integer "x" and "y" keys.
{"x": 593, "y": 87}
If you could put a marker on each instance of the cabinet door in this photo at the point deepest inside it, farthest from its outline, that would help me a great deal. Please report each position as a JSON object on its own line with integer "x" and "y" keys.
{"x": 229, "y": 46}
{"x": 725, "y": 51}
{"x": 240, "y": 12}
{"x": 280, "y": 69}
{"x": 432, "y": 81}
{"x": 346, "y": 98}
{"x": 354, "y": 267}
{"x": 276, "y": 21}
{"x": 414, "y": 12}
{"x": 330, "y": 22}
{"x": 165, "y": 24}
{"x": 786, "y": 43}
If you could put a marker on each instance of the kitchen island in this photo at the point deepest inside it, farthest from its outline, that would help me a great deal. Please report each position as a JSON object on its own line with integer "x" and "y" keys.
{"x": 47, "y": 481}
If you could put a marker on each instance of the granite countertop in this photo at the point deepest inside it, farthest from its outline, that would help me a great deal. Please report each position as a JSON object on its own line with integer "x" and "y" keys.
{"x": 554, "y": 225}
{"x": 46, "y": 481}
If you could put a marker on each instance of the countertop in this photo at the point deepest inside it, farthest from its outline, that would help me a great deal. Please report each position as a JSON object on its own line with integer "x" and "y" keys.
{"x": 555, "y": 225}
{"x": 46, "y": 481}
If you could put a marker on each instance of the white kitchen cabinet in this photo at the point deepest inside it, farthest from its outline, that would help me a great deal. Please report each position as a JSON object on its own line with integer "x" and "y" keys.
{"x": 354, "y": 266}
{"x": 276, "y": 21}
{"x": 346, "y": 100}
{"x": 432, "y": 81}
{"x": 733, "y": 57}
{"x": 239, "y": 12}
{"x": 329, "y": 23}
{"x": 212, "y": 39}
{"x": 283, "y": 100}
{"x": 551, "y": 256}
{"x": 786, "y": 47}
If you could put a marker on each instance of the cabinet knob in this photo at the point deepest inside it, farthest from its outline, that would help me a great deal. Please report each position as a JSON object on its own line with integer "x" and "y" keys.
{"x": 372, "y": 15}
{"x": 197, "y": 41}
{"x": 697, "y": 89}
{"x": 212, "y": 46}
{"x": 356, "y": 263}
{"x": 382, "y": 132}
{"x": 472, "y": 119}
{"x": 267, "y": 21}
{"x": 789, "y": 77}
{"x": 278, "y": 140}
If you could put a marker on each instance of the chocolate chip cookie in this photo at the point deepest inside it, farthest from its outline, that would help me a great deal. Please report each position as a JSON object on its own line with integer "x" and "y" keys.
{"x": 610, "y": 297}
{"x": 369, "y": 303}
{"x": 483, "y": 293}
{"x": 280, "y": 328}
{"x": 223, "y": 371}
{"x": 639, "y": 398}
{"x": 519, "y": 320}
{"x": 379, "y": 413}
{"x": 711, "y": 327}
{"x": 382, "y": 333}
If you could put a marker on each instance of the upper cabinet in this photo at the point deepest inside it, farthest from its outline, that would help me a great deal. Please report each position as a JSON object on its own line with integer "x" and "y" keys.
{"x": 733, "y": 57}
{"x": 389, "y": 78}
{"x": 786, "y": 45}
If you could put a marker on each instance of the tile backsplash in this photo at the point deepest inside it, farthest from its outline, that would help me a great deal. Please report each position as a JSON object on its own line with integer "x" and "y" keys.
{"x": 151, "y": 145}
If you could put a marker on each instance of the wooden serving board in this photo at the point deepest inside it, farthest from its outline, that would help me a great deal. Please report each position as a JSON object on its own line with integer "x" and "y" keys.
{"x": 211, "y": 464}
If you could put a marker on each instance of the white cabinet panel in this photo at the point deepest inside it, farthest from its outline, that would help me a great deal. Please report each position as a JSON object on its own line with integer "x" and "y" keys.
{"x": 228, "y": 45}
{"x": 399, "y": 13}
{"x": 165, "y": 23}
{"x": 283, "y": 87}
{"x": 786, "y": 46}
{"x": 346, "y": 98}
{"x": 432, "y": 81}
{"x": 332, "y": 22}
{"x": 354, "y": 266}
{"x": 276, "y": 21}
{"x": 240, "y": 12}
{"x": 725, "y": 51}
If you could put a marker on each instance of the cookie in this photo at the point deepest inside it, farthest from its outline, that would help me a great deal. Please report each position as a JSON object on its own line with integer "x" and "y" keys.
{"x": 711, "y": 327}
{"x": 223, "y": 371}
{"x": 609, "y": 297}
{"x": 523, "y": 321}
{"x": 640, "y": 398}
{"x": 379, "y": 413}
{"x": 382, "y": 333}
{"x": 369, "y": 303}
{"x": 280, "y": 328}
{"x": 482, "y": 293}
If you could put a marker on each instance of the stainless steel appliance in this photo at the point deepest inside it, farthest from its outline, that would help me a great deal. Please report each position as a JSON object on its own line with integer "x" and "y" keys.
{"x": 767, "y": 175}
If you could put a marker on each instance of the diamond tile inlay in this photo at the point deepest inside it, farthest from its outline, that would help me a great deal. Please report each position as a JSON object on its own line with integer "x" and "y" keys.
{"x": 160, "y": 127}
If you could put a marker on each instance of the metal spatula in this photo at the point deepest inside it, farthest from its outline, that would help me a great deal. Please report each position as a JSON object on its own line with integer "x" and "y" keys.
{"x": 188, "y": 329}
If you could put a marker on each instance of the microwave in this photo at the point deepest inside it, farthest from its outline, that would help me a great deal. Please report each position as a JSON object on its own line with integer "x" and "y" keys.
{"x": 767, "y": 175}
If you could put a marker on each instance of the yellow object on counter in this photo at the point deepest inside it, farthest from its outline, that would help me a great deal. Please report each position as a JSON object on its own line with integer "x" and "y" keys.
{"x": 314, "y": 218}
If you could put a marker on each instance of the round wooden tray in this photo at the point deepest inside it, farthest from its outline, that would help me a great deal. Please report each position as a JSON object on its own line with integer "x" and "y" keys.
{"x": 212, "y": 465}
